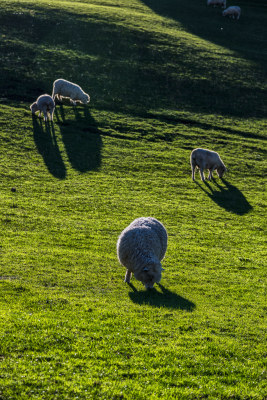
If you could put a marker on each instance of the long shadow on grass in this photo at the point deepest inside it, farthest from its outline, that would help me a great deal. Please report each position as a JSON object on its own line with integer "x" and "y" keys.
{"x": 202, "y": 125}
{"x": 81, "y": 137}
{"x": 46, "y": 143}
{"x": 238, "y": 36}
{"x": 228, "y": 197}
{"x": 165, "y": 298}
{"x": 132, "y": 69}
{"x": 208, "y": 23}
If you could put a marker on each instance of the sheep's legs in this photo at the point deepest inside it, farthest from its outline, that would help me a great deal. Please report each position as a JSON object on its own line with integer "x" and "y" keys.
{"x": 210, "y": 173}
{"x": 201, "y": 174}
{"x": 193, "y": 167}
{"x": 193, "y": 173}
{"x": 57, "y": 96}
{"x": 127, "y": 276}
{"x": 45, "y": 115}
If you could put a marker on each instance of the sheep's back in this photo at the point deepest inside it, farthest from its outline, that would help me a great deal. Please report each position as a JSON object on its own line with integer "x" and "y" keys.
{"x": 143, "y": 241}
{"x": 45, "y": 100}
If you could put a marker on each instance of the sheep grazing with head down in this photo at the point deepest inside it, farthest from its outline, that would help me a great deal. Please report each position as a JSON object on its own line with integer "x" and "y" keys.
{"x": 206, "y": 159}
{"x": 63, "y": 88}
{"x": 232, "y": 12}
{"x": 44, "y": 104}
{"x": 215, "y": 3}
{"x": 140, "y": 248}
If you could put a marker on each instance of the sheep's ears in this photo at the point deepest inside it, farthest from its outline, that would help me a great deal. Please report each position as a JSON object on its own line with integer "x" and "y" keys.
{"x": 145, "y": 269}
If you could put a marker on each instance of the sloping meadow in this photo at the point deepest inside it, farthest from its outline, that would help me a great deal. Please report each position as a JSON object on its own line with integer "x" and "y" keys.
{"x": 164, "y": 78}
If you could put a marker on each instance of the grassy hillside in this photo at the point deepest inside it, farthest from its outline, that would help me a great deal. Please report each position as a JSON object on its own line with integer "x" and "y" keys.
{"x": 164, "y": 77}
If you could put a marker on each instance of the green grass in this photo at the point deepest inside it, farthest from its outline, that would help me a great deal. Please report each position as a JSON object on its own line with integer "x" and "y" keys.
{"x": 164, "y": 77}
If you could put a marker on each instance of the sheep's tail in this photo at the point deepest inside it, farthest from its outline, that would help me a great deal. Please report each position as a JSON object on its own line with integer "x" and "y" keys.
{"x": 193, "y": 162}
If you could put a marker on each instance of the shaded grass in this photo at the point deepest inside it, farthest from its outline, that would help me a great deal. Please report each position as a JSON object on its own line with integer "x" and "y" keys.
{"x": 132, "y": 59}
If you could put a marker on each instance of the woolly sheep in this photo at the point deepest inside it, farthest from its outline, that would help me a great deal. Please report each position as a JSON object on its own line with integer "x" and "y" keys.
{"x": 140, "y": 248}
{"x": 232, "y": 12}
{"x": 206, "y": 159}
{"x": 217, "y": 3}
{"x": 63, "y": 88}
{"x": 44, "y": 104}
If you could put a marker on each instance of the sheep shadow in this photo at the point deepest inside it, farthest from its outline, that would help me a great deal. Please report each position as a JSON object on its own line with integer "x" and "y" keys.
{"x": 228, "y": 197}
{"x": 81, "y": 138}
{"x": 46, "y": 143}
{"x": 163, "y": 298}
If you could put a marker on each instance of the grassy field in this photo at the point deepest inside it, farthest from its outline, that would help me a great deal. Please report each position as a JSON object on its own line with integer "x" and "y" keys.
{"x": 164, "y": 78}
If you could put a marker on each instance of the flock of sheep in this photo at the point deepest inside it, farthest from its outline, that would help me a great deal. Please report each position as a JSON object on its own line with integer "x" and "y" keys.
{"x": 142, "y": 245}
{"x": 61, "y": 88}
{"x": 232, "y": 11}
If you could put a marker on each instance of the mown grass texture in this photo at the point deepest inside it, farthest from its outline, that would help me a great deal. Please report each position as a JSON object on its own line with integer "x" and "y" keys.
{"x": 164, "y": 78}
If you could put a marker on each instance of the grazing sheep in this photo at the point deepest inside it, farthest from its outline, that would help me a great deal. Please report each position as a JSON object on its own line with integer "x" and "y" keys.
{"x": 215, "y": 3}
{"x": 232, "y": 12}
{"x": 63, "y": 88}
{"x": 44, "y": 104}
{"x": 206, "y": 159}
{"x": 140, "y": 248}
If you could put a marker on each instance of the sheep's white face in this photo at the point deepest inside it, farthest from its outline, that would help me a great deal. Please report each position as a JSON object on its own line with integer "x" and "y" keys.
{"x": 221, "y": 171}
{"x": 86, "y": 99}
{"x": 149, "y": 275}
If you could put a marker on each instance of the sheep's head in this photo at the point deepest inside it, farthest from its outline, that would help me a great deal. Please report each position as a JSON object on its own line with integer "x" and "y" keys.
{"x": 149, "y": 274}
{"x": 34, "y": 108}
{"x": 221, "y": 170}
{"x": 85, "y": 99}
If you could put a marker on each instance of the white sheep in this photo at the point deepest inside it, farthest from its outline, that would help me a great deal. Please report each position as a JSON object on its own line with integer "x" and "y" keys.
{"x": 44, "y": 104}
{"x": 63, "y": 88}
{"x": 215, "y": 3}
{"x": 140, "y": 248}
{"x": 206, "y": 159}
{"x": 232, "y": 12}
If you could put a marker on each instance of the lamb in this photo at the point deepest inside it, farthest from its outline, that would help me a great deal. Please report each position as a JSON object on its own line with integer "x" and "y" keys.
{"x": 63, "y": 88}
{"x": 232, "y": 12}
{"x": 140, "y": 248}
{"x": 44, "y": 104}
{"x": 217, "y": 3}
{"x": 206, "y": 159}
